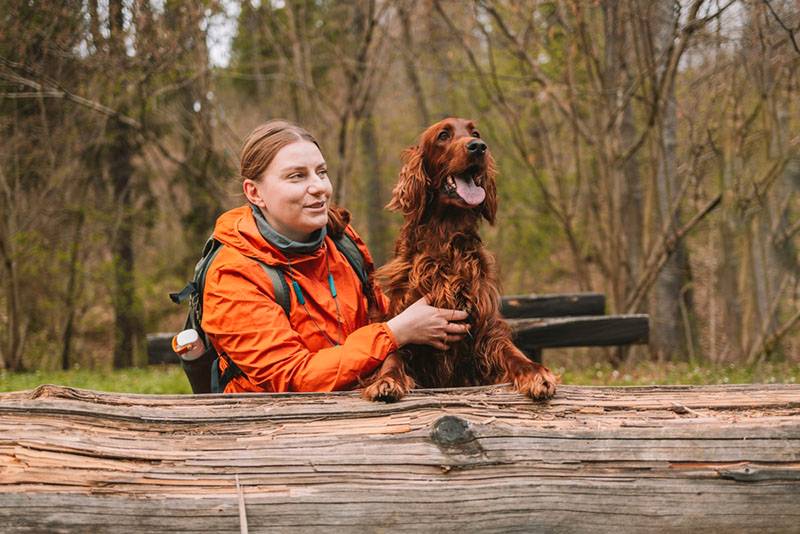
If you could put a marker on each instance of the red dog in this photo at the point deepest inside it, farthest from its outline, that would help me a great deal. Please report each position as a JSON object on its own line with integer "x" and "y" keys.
{"x": 446, "y": 185}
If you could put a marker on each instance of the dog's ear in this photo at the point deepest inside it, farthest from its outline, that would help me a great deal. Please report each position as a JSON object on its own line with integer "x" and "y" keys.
{"x": 489, "y": 208}
{"x": 409, "y": 195}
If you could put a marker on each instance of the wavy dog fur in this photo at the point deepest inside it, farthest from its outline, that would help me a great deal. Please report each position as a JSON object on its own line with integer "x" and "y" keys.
{"x": 439, "y": 255}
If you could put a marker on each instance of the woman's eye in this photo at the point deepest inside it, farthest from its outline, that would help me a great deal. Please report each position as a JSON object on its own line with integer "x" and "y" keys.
{"x": 477, "y": 134}
{"x": 444, "y": 135}
{"x": 322, "y": 172}
{"x": 295, "y": 176}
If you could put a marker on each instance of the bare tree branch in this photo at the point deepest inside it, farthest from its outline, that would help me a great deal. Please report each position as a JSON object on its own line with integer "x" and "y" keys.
{"x": 783, "y": 25}
{"x": 666, "y": 246}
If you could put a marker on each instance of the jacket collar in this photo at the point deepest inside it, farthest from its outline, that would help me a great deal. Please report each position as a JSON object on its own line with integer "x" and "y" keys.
{"x": 283, "y": 243}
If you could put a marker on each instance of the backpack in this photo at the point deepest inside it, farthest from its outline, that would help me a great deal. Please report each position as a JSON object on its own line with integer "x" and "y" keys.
{"x": 204, "y": 372}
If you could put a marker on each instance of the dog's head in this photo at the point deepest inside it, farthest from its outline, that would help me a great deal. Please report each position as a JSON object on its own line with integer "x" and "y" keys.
{"x": 452, "y": 168}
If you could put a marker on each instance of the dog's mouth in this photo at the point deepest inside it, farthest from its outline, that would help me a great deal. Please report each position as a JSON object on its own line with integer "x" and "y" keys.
{"x": 466, "y": 186}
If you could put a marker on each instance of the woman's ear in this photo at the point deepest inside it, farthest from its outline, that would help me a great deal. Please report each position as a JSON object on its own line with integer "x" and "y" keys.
{"x": 489, "y": 208}
{"x": 252, "y": 193}
{"x": 409, "y": 195}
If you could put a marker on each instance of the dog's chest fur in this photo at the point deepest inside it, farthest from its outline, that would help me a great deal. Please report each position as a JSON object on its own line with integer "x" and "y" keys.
{"x": 457, "y": 276}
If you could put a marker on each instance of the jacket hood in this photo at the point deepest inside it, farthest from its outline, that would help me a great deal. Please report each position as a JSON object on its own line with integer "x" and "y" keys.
{"x": 238, "y": 229}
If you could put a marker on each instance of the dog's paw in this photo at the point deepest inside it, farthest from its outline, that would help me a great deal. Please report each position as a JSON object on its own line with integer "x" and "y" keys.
{"x": 537, "y": 383}
{"x": 386, "y": 389}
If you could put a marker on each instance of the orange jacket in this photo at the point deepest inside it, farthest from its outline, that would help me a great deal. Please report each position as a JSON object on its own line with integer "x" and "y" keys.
{"x": 276, "y": 353}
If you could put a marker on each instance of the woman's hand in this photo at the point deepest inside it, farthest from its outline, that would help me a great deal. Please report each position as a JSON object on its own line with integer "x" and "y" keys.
{"x": 423, "y": 324}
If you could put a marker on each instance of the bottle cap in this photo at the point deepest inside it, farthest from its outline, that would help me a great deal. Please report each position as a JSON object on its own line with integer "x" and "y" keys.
{"x": 186, "y": 337}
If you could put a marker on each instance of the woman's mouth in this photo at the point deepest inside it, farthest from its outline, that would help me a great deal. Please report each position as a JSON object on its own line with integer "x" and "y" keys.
{"x": 316, "y": 205}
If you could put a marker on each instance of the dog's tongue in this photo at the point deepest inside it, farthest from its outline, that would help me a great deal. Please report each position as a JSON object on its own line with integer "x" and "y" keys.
{"x": 469, "y": 191}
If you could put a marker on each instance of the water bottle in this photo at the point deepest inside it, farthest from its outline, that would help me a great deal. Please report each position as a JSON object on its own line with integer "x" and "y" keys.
{"x": 188, "y": 345}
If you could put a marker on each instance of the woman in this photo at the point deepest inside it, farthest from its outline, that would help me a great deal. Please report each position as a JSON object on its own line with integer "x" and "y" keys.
{"x": 327, "y": 342}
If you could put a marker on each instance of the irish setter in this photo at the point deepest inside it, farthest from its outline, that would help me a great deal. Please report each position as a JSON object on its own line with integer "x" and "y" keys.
{"x": 446, "y": 186}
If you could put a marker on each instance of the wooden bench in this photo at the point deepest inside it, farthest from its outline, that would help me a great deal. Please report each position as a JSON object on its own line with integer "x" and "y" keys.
{"x": 570, "y": 320}
{"x": 538, "y": 322}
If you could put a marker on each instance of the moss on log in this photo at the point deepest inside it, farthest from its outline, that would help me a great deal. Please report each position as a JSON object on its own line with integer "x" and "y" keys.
{"x": 666, "y": 459}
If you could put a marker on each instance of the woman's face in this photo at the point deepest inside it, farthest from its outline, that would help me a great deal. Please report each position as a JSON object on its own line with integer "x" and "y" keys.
{"x": 294, "y": 191}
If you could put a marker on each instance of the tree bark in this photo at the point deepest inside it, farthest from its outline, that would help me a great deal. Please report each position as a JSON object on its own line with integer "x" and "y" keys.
{"x": 127, "y": 327}
{"x": 625, "y": 173}
{"x": 377, "y": 232}
{"x": 410, "y": 59}
{"x": 128, "y": 331}
{"x": 12, "y": 342}
{"x": 729, "y": 264}
{"x": 672, "y": 296}
{"x": 645, "y": 459}
{"x": 70, "y": 301}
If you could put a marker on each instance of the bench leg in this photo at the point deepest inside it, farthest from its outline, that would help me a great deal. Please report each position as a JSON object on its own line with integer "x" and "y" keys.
{"x": 535, "y": 355}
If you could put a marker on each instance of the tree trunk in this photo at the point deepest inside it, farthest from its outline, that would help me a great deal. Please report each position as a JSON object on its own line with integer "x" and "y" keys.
{"x": 728, "y": 267}
{"x": 203, "y": 164}
{"x": 127, "y": 327}
{"x": 15, "y": 320}
{"x": 671, "y": 307}
{"x": 410, "y": 63}
{"x": 377, "y": 232}
{"x": 128, "y": 331}
{"x": 646, "y": 459}
{"x": 774, "y": 258}
{"x": 302, "y": 94}
{"x": 70, "y": 306}
{"x": 628, "y": 181}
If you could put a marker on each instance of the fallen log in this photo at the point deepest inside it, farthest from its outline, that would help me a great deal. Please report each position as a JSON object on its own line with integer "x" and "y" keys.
{"x": 647, "y": 459}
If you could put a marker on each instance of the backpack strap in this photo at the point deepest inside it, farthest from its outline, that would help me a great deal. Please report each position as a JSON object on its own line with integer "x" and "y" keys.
{"x": 355, "y": 258}
{"x": 279, "y": 286}
{"x": 344, "y": 244}
{"x": 220, "y": 380}
{"x": 210, "y": 251}
{"x": 181, "y": 296}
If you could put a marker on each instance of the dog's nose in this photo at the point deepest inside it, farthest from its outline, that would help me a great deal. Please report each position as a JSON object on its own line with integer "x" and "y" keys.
{"x": 476, "y": 147}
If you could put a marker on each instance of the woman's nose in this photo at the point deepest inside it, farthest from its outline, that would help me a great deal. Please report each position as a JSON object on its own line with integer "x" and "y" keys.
{"x": 317, "y": 184}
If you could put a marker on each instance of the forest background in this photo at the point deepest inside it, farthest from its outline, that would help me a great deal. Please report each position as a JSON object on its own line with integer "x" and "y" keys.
{"x": 648, "y": 150}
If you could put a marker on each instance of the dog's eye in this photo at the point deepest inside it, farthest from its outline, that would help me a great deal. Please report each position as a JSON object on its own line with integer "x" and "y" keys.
{"x": 476, "y": 133}
{"x": 444, "y": 135}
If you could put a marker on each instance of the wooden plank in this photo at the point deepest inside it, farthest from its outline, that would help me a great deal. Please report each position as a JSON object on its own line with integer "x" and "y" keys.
{"x": 159, "y": 348}
{"x": 553, "y": 305}
{"x": 606, "y": 330}
{"x": 646, "y": 459}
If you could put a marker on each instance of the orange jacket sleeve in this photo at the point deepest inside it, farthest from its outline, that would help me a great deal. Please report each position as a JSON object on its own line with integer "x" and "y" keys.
{"x": 246, "y": 323}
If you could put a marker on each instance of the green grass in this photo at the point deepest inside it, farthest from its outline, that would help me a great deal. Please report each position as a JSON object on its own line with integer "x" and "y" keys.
{"x": 170, "y": 378}
{"x": 155, "y": 379}
{"x": 651, "y": 373}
